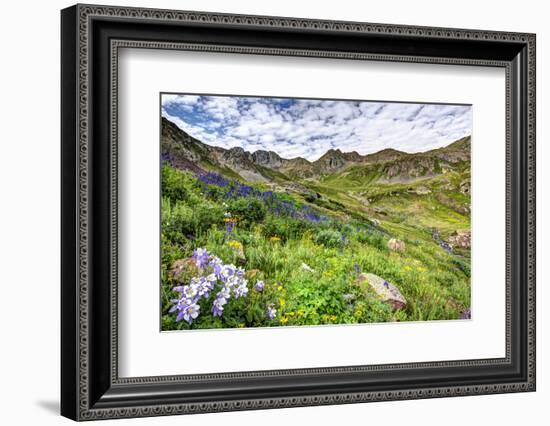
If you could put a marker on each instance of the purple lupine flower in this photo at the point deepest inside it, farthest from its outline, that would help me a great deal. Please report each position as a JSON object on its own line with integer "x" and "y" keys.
{"x": 259, "y": 286}
{"x": 271, "y": 312}
{"x": 467, "y": 314}
{"x": 228, "y": 228}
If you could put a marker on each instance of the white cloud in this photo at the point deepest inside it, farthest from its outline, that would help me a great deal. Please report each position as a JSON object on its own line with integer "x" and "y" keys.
{"x": 308, "y": 128}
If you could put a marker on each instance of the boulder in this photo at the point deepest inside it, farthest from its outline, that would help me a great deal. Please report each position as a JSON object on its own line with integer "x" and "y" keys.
{"x": 396, "y": 245}
{"x": 465, "y": 187}
{"x": 461, "y": 239}
{"x": 181, "y": 267}
{"x": 386, "y": 291}
{"x": 252, "y": 274}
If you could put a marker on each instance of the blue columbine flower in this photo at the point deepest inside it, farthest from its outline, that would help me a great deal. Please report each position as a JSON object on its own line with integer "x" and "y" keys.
{"x": 271, "y": 312}
{"x": 201, "y": 257}
{"x": 259, "y": 286}
{"x": 241, "y": 290}
{"x": 190, "y": 313}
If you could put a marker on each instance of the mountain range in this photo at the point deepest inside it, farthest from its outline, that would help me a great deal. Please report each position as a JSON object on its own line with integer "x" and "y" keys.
{"x": 386, "y": 166}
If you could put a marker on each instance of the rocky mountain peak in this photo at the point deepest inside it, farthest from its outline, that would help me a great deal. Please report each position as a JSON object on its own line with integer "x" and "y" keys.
{"x": 267, "y": 159}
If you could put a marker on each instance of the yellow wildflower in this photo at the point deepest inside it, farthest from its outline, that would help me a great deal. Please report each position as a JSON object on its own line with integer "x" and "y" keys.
{"x": 284, "y": 320}
{"x": 274, "y": 238}
{"x": 235, "y": 245}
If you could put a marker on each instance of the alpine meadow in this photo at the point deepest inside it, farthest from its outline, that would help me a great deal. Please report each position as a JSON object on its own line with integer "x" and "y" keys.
{"x": 291, "y": 212}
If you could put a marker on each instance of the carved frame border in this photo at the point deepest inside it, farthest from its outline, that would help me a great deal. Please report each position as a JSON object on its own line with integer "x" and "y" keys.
{"x": 85, "y": 13}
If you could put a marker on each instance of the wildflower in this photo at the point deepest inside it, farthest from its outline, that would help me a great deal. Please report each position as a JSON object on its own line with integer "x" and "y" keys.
{"x": 189, "y": 313}
{"x": 223, "y": 295}
{"x": 284, "y": 320}
{"x": 271, "y": 312}
{"x": 467, "y": 314}
{"x": 241, "y": 290}
{"x": 217, "y": 306}
{"x": 217, "y": 265}
{"x": 228, "y": 228}
{"x": 259, "y": 286}
{"x": 226, "y": 272}
{"x": 202, "y": 257}
{"x": 235, "y": 245}
{"x": 189, "y": 291}
{"x": 274, "y": 238}
{"x": 357, "y": 268}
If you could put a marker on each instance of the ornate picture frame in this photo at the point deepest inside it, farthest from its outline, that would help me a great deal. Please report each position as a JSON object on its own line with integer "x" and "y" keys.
{"x": 91, "y": 37}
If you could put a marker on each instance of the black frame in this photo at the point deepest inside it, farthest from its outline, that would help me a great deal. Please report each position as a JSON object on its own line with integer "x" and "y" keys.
{"x": 90, "y": 386}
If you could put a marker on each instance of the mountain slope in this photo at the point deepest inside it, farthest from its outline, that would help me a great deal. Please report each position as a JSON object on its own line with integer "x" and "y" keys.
{"x": 389, "y": 165}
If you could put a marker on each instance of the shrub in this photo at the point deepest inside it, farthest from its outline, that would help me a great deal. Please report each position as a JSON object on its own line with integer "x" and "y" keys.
{"x": 330, "y": 238}
{"x": 205, "y": 215}
{"x": 249, "y": 210}
{"x": 175, "y": 184}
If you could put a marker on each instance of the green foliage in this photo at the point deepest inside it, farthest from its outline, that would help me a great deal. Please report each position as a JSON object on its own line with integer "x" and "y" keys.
{"x": 330, "y": 238}
{"x": 249, "y": 210}
{"x": 175, "y": 184}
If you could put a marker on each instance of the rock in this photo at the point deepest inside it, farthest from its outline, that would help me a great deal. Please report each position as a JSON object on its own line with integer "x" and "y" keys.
{"x": 387, "y": 292}
{"x": 306, "y": 268}
{"x": 422, "y": 190}
{"x": 396, "y": 245}
{"x": 465, "y": 187}
{"x": 252, "y": 273}
{"x": 349, "y": 297}
{"x": 182, "y": 266}
{"x": 461, "y": 239}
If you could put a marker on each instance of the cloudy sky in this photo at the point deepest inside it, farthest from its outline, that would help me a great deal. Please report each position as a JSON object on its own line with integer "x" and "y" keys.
{"x": 308, "y": 128}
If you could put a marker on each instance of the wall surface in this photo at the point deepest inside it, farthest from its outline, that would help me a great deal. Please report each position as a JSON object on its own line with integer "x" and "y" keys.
{"x": 29, "y": 225}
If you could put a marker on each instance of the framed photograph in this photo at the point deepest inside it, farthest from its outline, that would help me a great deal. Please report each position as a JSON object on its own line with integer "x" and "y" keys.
{"x": 263, "y": 212}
